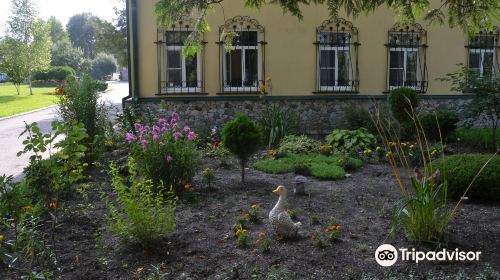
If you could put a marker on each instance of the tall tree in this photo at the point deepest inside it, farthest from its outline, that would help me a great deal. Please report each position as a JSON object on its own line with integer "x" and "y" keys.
{"x": 30, "y": 42}
{"x": 82, "y": 33}
{"x": 64, "y": 54}
{"x": 57, "y": 31}
{"x": 110, "y": 40}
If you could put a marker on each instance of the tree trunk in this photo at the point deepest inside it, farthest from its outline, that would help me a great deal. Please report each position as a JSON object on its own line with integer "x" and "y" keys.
{"x": 18, "y": 88}
{"x": 29, "y": 81}
{"x": 242, "y": 171}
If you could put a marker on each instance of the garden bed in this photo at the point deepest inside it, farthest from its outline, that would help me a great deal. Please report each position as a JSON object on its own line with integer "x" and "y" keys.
{"x": 203, "y": 245}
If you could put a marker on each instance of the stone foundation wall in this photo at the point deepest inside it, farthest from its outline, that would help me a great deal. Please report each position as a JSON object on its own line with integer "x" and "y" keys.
{"x": 316, "y": 117}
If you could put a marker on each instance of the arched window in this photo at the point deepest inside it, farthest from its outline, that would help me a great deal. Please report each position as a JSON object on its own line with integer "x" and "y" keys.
{"x": 337, "y": 57}
{"x": 406, "y": 53}
{"x": 177, "y": 73}
{"x": 482, "y": 53}
{"x": 242, "y": 67}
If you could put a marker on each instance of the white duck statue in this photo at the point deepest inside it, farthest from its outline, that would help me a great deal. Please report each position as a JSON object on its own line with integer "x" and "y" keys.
{"x": 279, "y": 219}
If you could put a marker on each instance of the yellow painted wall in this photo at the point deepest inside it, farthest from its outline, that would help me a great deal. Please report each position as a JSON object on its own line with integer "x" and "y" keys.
{"x": 290, "y": 53}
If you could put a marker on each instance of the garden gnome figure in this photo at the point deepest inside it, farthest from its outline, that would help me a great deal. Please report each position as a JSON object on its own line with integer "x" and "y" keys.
{"x": 300, "y": 185}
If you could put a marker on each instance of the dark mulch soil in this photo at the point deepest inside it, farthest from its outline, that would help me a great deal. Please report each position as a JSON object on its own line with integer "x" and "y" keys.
{"x": 203, "y": 245}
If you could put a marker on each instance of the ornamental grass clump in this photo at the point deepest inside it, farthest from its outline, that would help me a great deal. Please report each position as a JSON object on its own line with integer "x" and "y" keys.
{"x": 165, "y": 152}
{"x": 423, "y": 210}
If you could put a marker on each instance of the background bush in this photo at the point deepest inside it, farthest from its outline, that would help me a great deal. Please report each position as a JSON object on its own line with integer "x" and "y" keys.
{"x": 55, "y": 73}
{"x": 447, "y": 121}
{"x": 301, "y": 144}
{"x": 102, "y": 66}
{"x": 477, "y": 137}
{"x": 460, "y": 170}
{"x": 357, "y": 117}
{"x": 242, "y": 137}
{"x": 398, "y": 103}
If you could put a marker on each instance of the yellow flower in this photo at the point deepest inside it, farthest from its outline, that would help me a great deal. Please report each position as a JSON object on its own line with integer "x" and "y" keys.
{"x": 330, "y": 147}
{"x": 412, "y": 146}
{"x": 388, "y": 154}
{"x": 85, "y": 164}
{"x": 255, "y": 206}
{"x": 403, "y": 144}
{"x": 27, "y": 208}
{"x": 238, "y": 232}
{"x": 1, "y": 238}
{"x": 321, "y": 148}
{"x": 378, "y": 149}
{"x": 434, "y": 152}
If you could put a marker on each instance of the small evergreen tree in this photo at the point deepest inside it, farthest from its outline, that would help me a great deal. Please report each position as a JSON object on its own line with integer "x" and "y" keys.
{"x": 241, "y": 136}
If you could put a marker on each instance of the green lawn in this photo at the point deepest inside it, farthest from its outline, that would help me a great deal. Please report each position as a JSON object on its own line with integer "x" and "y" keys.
{"x": 11, "y": 103}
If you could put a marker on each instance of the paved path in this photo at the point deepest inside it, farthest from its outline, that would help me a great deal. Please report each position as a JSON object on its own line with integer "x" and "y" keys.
{"x": 10, "y": 128}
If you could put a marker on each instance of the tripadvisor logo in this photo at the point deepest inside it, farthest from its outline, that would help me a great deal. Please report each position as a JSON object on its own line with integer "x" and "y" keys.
{"x": 387, "y": 255}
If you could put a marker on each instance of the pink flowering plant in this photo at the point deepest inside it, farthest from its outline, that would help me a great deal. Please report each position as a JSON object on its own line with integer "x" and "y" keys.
{"x": 165, "y": 151}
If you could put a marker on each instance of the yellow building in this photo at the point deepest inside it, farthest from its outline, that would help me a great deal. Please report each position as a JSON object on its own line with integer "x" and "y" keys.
{"x": 317, "y": 60}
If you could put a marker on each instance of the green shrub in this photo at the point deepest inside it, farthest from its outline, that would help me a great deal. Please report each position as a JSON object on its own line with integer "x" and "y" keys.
{"x": 141, "y": 214}
{"x": 459, "y": 171}
{"x": 446, "y": 123}
{"x": 351, "y": 141}
{"x": 399, "y": 103}
{"x": 301, "y": 144}
{"x": 327, "y": 171}
{"x": 80, "y": 103}
{"x": 274, "y": 166}
{"x": 103, "y": 65}
{"x": 241, "y": 136}
{"x": 276, "y": 123}
{"x": 55, "y": 73}
{"x": 165, "y": 152}
{"x": 101, "y": 85}
{"x": 477, "y": 137}
{"x": 358, "y": 117}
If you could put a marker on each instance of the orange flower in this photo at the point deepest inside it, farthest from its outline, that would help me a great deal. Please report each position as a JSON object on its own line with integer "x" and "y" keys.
{"x": 255, "y": 206}
{"x": 326, "y": 230}
{"x": 187, "y": 187}
{"x": 247, "y": 215}
{"x": 321, "y": 148}
{"x": 53, "y": 204}
{"x": 257, "y": 241}
{"x": 333, "y": 227}
{"x": 262, "y": 234}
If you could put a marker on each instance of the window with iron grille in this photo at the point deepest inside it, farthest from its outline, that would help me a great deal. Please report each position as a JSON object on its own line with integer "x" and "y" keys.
{"x": 406, "y": 52}
{"x": 337, "y": 57}
{"x": 482, "y": 57}
{"x": 242, "y": 67}
{"x": 178, "y": 73}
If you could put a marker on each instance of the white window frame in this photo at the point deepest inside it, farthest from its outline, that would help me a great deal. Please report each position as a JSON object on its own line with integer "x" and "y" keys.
{"x": 405, "y": 59}
{"x": 258, "y": 47}
{"x": 323, "y": 47}
{"x": 481, "y": 62}
{"x": 183, "y": 88}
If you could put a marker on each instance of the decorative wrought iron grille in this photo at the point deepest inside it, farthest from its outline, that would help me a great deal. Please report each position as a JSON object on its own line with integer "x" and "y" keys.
{"x": 406, "y": 57}
{"x": 482, "y": 55}
{"x": 242, "y": 68}
{"x": 177, "y": 73}
{"x": 337, "y": 57}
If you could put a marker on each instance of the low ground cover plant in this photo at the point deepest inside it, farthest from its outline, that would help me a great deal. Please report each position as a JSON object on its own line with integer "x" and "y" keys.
{"x": 461, "y": 169}
{"x": 165, "y": 152}
{"x": 321, "y": 167}
{"x": 351, "y": 142}
{"x": 298, "y": 144}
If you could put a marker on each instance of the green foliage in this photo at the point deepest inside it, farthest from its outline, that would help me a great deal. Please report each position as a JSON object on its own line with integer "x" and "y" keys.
{"x": 320, "y": 166}
{"x": 301, "y": 144}
{"x": 477, "y": 137}
{"x": 440, "y": 124}
{"x": 102, "y": 85}
{"x": 141, "y": 214}
{"x": 459, "y": 171}
{"x": 276, "y": 123}
{"x": 55, "y": 73}
{"x": 486, "y": 104}
{"x": 241, "y": 136}
{"x": 65, "y": 54}
{"x": 358, "y": 117}
{"x": 12, "y": 199}
{"x": 82, "y": 33}
{"x": 327, "y": 171}
{"x": 351, "y": 141}
{"x": 208, "y": 177}
{"x": 424, "y": 215}
{"x": 401, "y": 101}
{"x": 165, "y": 153}
{"x": 80, "y": 103}
{"x": 103, "y": 65}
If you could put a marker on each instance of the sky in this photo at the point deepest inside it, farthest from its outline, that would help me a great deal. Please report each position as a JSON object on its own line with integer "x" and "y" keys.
{"x": 64, "y": 9}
